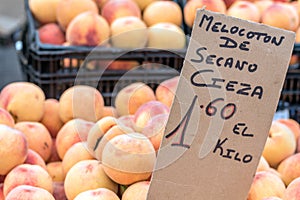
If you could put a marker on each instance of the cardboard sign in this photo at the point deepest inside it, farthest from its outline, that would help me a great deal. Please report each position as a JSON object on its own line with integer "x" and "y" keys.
{"x": 227, "y": 95}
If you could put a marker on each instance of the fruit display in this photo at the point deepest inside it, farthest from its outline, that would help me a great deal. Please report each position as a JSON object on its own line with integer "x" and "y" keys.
{"x": 284, "y": 14}
{"x": 60, "y": 25}
{"x": 123, "y": 24}
{"x": 280, "y": 14}
{"x": 76, "y": 145}
{"x": 65, "y": 48}
{"x": 92, "y": 154}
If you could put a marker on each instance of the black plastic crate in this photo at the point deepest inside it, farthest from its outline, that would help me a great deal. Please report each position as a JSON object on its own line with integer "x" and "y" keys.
{"x": 47, "y": 71}
{"x": 108, "y": 83}
{"x": 291, "y": 88}
{"x": 287, "y": 110}
{"x": 45, "y": 66}
{"x": 294, "y": 112}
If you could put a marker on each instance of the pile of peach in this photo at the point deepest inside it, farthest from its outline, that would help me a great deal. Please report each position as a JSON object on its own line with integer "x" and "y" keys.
{"x": 140, "y": 23}
{"x": 51, "y": 149}
{"x": 278, "y": 172}
{"x": 282, "y": 14}
{"x": 146, "y": 23}
{"x": 117, "y": 23}
{"x": 78, "y": 148}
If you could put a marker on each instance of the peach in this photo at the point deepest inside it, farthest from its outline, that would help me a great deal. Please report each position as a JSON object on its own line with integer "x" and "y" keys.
{"x": 38, "y": 137}
{"x": 123, "y": 65}
{"x": 27, "y": 192}
{"x": 73, "y": 131}
{"x": 262, "y": 165}
{"x": 114, "y": 131}
{"x": 97, "y": 194}
{"x": 292, "y": 191}
{"x": 165, "y": 92}
{"x": 51, "y": 33}
{"x": 59, "y": 191}
{"x": 143, "y": 3}
{"x": 147, "y": 111}
{"x": 44, "y": 11}
{"x": 128, "y": 158}
{"x": 244, "y": 10}
{"x": 26, "y": 174}
{"x": 77, "y": 152}
{"x": 162, "y": 11}
{"x": 87, "y": 175}
{"x": 154, "y": 129}
{"x": 266, "y": 184}
{"x": 120, "y": 8}
{"x": 12, "y": 99}
{"x": 293, "y": 125}
{"x": 191, "y": 7}
{"x": 131, "y": 97}
{"x": 166, "y": 36}
{"x": 14, "y": 148}
{"x": 98, "y": 130}
{"x": 81, "y": 101}
{"x": 127, "y": 120}
{"x": 88, "y": 29}
{"x": 67, "y": 10}
{"x": 294, "y": 58}
{"x": 6, "y": 118}
{"x": 71, "y": 62}
{"x": 55, "y": 170}
{"x": 280, "y": 144}
{"x": 128, "y": 32}
{"x": 54, "y": 155}
{"x": 289, "y": 168}
{"x": 34, "y": 158}
{"x": 51, "y": 119}
{"x": 281, "y": 15}
{"x": 137, "y": 191}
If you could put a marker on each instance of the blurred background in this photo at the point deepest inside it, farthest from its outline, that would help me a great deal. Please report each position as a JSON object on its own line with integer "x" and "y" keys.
{"x": 12, "y": 19}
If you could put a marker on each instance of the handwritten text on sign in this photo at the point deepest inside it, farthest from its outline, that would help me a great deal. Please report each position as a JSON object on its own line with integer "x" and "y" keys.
{"x": 225, "y": 101}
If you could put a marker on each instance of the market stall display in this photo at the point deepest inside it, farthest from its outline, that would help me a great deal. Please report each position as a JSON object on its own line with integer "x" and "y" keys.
{"x": 68, "y": 164}
{"x": 100, "y": 81}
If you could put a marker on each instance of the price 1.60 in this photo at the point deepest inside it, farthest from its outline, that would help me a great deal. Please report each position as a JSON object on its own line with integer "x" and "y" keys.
{"x": 226, "y": 112}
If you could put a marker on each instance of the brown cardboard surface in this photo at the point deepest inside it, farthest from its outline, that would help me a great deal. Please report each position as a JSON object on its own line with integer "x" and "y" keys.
{"x": 224, "y": 112}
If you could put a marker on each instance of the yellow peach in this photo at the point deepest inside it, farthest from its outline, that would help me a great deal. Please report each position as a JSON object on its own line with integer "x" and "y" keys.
{"x": 14, "y": 148}
{"x": 87, "y": 175}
